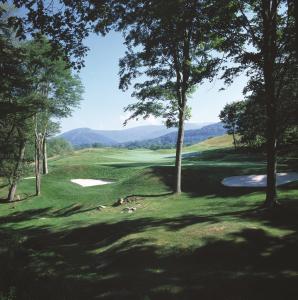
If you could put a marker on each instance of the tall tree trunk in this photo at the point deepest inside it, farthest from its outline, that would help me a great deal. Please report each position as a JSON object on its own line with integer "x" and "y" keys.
{"x": 38, "y": 150}
{"x": 269, "y": 52}
{"x": 15, "y": 175}
{"x": 296, "y": 25}
{"x": 45, "y": 169}
{"x": 234, "y": 140}
{"x": 12, "y": 191}
{"x": 293, "y": 12}
{"x": 179, "y": 145}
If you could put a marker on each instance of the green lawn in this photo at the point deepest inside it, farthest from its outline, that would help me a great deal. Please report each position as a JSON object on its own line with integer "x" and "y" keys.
{"x": 212, "y": 242}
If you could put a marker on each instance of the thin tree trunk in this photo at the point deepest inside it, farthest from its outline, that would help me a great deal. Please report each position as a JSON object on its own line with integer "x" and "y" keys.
{"x": 45, "y": 169}
{"x": 271, "y": 195}
{"x": 179, "y": 145}
{"x": 15, "y": 175}
{"x": 12, "y": 191}
{"x": 296, "y": 25}
{"x": 269, "y": 52}
{"x": 37, "y": 166}
{"x": 234, "y": 140}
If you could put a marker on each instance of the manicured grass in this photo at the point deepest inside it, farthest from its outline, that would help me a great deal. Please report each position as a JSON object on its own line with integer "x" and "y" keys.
{"x": 212, "y": 242}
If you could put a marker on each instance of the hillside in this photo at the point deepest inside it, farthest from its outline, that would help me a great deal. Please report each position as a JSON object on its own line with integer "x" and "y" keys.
{"x": 210, "y": 242}
{"x": 223, "y": 141}
{"x": 86, "y": 137}
{"x": 140, "y": 133}
{"x": 190, "y": 137}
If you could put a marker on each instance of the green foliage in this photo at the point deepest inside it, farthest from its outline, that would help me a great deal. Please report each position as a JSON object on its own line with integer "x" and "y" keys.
{"x": 10, "y": 295}
{"x": 65, "y": 23}
{"x": 230, "y": 116}
{"x": 59, "y": 146}
{"x": 169, "y": 54}
{"x": 33, "y": 89}
{"x": 53, "y": 80}
{"x": 246, "y": 118}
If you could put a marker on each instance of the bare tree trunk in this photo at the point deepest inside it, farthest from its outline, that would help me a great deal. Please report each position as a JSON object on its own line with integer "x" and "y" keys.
{"x": 12, "y": 191}
{"x": 45, "y": 169}
{"x": 296, "y": 25}
{"x": 269, "y": 52}
{"x": 234, "y": 140}
{"x": 38, "y": 150}
{"x": 179, "y": 145}
{"x": 15, "y": 175}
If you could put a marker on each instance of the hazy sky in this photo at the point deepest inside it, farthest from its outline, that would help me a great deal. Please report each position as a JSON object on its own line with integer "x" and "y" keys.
{"x": 102, "y": 107}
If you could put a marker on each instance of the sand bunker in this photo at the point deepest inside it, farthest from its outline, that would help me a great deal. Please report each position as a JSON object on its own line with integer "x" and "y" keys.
{"x": 259, "y": 180}
{"x": 26, "y": 178}
{"x": 90, "y": 182}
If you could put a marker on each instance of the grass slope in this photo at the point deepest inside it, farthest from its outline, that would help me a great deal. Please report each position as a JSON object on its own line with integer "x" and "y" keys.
{"x": 209, "y": 243}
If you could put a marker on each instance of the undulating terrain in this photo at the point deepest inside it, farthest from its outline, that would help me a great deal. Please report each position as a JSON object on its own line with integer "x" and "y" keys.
{"x": 212, "y": 242}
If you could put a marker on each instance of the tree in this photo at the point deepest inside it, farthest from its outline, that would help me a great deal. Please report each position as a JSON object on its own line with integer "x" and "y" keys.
{"x": 17, "y": 105}
{"x": 259, "y": 40}
{"x": 59, "y": 146}
{"x": 33, "y": 87}
{"x": 250, "y": 121}
{"x": 230, "y": 116}
{"x": 65, "y": 23}
{"x": 58, "y": 89}
{"x": 171, "y": 51}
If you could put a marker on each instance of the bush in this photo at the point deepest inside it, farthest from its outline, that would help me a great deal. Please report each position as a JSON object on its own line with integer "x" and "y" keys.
{"x": 59, "y": 146}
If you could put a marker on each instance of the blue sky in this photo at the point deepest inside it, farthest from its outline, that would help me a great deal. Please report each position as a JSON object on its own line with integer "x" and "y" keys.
{"x": 102, "y": 107}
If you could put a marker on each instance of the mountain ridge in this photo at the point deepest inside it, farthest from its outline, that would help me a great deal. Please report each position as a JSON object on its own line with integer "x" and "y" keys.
{"x": 86, "y": 136}
{"x": 190, "y": 137}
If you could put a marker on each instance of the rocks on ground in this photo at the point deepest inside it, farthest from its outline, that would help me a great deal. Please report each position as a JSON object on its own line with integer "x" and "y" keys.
{"x": 101, "y": 207}
{"x": 127, "y": 199}
{"x": 129, "y": 209}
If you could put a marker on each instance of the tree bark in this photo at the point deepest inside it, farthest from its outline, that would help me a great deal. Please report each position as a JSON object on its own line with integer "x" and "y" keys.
{"x": 38, "y": 150}
{"x": 12, "y": 191}
{"x": 269, "y": 14}
{"x": 296, "y": 25}
{"x": 45, "y": 169}
{"x": 179, "y": 145}
{"x": 234, "y": 140}
{"x": 15, "y": 175}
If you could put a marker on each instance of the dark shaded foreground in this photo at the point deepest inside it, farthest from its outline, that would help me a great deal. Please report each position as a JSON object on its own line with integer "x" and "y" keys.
{"x": 65, "y": 265}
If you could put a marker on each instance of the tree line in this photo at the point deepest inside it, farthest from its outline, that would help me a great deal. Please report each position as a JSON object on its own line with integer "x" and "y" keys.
{"x": 174, "y": 46}
{"x": 35, "y": 92}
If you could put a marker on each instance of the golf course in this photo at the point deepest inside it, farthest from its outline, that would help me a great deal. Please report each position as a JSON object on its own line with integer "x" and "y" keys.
{"x": 210, "y": 242}
{"x": 148, "y": 150}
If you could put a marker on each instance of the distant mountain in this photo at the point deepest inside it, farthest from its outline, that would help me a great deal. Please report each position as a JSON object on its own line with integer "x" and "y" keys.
{"x": 190, "y": 137}
{"x": 87, "y": 137}
{"x": 144, "y": 132}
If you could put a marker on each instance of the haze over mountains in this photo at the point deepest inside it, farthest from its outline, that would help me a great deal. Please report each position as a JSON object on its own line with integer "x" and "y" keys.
{"x": 142, "y": 136}
{"x": 191, "y": 137}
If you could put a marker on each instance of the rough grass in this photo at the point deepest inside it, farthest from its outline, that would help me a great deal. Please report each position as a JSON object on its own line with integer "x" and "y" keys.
{"x": 212, "y": 242}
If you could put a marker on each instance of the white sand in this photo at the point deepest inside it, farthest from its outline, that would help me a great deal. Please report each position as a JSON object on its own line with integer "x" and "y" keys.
{"x": 90, "y": 182}
{"x": 259, "y": 180}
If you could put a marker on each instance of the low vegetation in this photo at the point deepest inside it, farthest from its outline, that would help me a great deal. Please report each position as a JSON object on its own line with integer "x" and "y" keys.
{"x": 211, "y": 242}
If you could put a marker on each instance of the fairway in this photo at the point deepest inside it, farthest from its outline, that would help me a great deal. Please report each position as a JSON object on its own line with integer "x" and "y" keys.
{"x": 148, "y": 150}
{"x": 212, "y": 242}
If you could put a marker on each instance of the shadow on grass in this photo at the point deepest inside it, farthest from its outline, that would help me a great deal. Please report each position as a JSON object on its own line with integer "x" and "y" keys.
{"x": 25, "y": 196}
{"x": 205, "y": 176}
{"x": 203, "y": 181}
{"x": 107, "y": 260}
{"x": 151, "y": 195}
{"x": 17, "y": 217}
